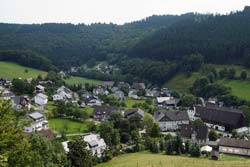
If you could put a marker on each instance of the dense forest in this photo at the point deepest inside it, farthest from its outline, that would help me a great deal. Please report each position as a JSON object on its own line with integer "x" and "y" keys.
{"x": 157, "y": 43}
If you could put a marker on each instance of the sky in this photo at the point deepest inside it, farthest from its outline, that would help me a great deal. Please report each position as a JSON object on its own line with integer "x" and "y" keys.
{"x": 106, "y": 11}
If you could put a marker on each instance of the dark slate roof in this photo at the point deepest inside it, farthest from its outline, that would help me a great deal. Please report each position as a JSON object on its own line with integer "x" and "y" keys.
{"x": 238, "y": 143}
{"x": 104, "y": 110}
{"x": 200, "y": 130}
{"x": 171, "y": 116}
{"x": 131, "y": 112}
{"x": 222, "y": 115}
{"x": 19, "y": 99}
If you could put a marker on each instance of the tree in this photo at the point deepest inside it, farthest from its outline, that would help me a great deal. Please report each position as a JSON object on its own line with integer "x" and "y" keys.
{"x": 192, "y": 62}
{"x": 213, "y": 136}
{"x": 198, "y": 122}
{"x": 188, "y": 100}
{"x": 154, "y": 147}
{"x": 223, "y": 73}
{"x": 195, "y": 151}
{"x": 79, "y": 155}
{"x": 243, "y": 75}
{"x": 231, "y": 73}
{"x": 155, "y": 130}
{"x": 106, "y": 130}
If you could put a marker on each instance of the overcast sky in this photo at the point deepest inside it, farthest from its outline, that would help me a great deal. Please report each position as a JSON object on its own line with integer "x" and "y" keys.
{"x": 116, "y": 11}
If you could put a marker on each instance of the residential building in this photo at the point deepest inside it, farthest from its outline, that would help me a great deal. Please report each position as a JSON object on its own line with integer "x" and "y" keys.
{"x": 167, "y": 102}
{"x": 170, "y": 121}
{"x": 138, "y": 86}
{"x": 94, "y": 142}
{"x": 102, "y": 113}
{"x": 21, "y": 102}
{"x": 133, "y": 112}
{"x": 234, "y": 146}
{"x": 194, "y": 133}
{"x": 120, "y": 95}
{"x": 41, "y": 99}
{"x": 40, "y": 89}
{"x": 6, "y": 94}
{"x": 219, "y": 118}
{"x": 38, "y": 122}
{"x": 133, "y": 94}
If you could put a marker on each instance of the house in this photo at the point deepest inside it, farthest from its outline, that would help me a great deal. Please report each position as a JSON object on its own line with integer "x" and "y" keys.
{"x": 123, "y": 85}
{"x": 29, "y": 80}
{"x": 166, "y": 92}
{"x": 133, "y": 94}
{"x": 234, "y": 146}
{"x": 167, "y": 102}
{"x": 102, "y": 113}
{"x": 40, "y": 89}
{"x": 219, "y": 118}
{"x": 41, "y": 99}
{"x": 62, "y": 74}
{"x": 170, "y": 121}
{"x": 94, "y": 102}
{"x": 194, "y": 133}
{"x": 94, "y": 142}
{"x": 63, "y": 93}
{"x": 21, "y": 102}
{"x": 100, "y": 91}
{"x": 120, "y": 95}
{"x": 138, "y": 86}
{"x": 133, "y": 112}
{"x": 108, "y": 84}
{"x": 38, "y": 122}
{"x": 5, "y": 94}
{"x": 5, "y": 82}
{"x": 152, "y": 93}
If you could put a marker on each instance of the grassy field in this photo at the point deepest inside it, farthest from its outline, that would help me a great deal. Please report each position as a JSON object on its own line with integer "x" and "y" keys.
{"x": 182, "y": 82}
{"x": 81, "y": 80}
{"x": 67, "y": 126}
{"x": 13, "y": 70}
{"x": 239, "y": 88}
{"x": 158, "y": 160}
{"x": 130, "y": 102}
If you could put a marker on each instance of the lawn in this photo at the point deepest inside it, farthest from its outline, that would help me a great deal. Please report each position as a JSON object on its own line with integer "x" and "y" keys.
{"x": 13, "y": 70}
{"x": 67, "y": 126}
{"x": 80, "y": 80}
{"x": 130, "y": 102}
{"x": 182, "y": 82}
{"x": 239, "y": 88}
{"x": 50, "y": 105}
{"x": 159, "y": 160}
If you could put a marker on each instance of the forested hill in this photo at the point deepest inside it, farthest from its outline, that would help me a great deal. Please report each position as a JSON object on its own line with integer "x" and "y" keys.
{"x": 151, "y": 50}
{"x": 220, "y": 39}
{"x": 69, "y": 45}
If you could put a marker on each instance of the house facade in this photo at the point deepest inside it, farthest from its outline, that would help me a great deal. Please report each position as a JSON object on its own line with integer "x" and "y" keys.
{"x": 38, "y": 122}
{"x": 102, "y": 113}
{"x": 194, "y": 133}
{"x": 218, "y": 118}
{"x": 94, "y": 142}
{"x": 170, "y": 121}
{"x": 41, "y": 99}
{"x": 234, "y": 146}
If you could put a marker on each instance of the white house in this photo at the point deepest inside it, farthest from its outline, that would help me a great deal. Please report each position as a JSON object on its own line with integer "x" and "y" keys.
{"x": 38, "y": 122}
{"x": 167, "y": 102}
{"x": 41, "y": 99}
{"x": 169, "y": 121}
{"x": 94, "y": 143}
{"x": 63, "y": 93}
{"x": 133, "y": 94}
{"x": 5, "y": 94}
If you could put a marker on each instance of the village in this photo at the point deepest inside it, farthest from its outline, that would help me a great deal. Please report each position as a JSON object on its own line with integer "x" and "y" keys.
{"x": 208, "y": 124}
